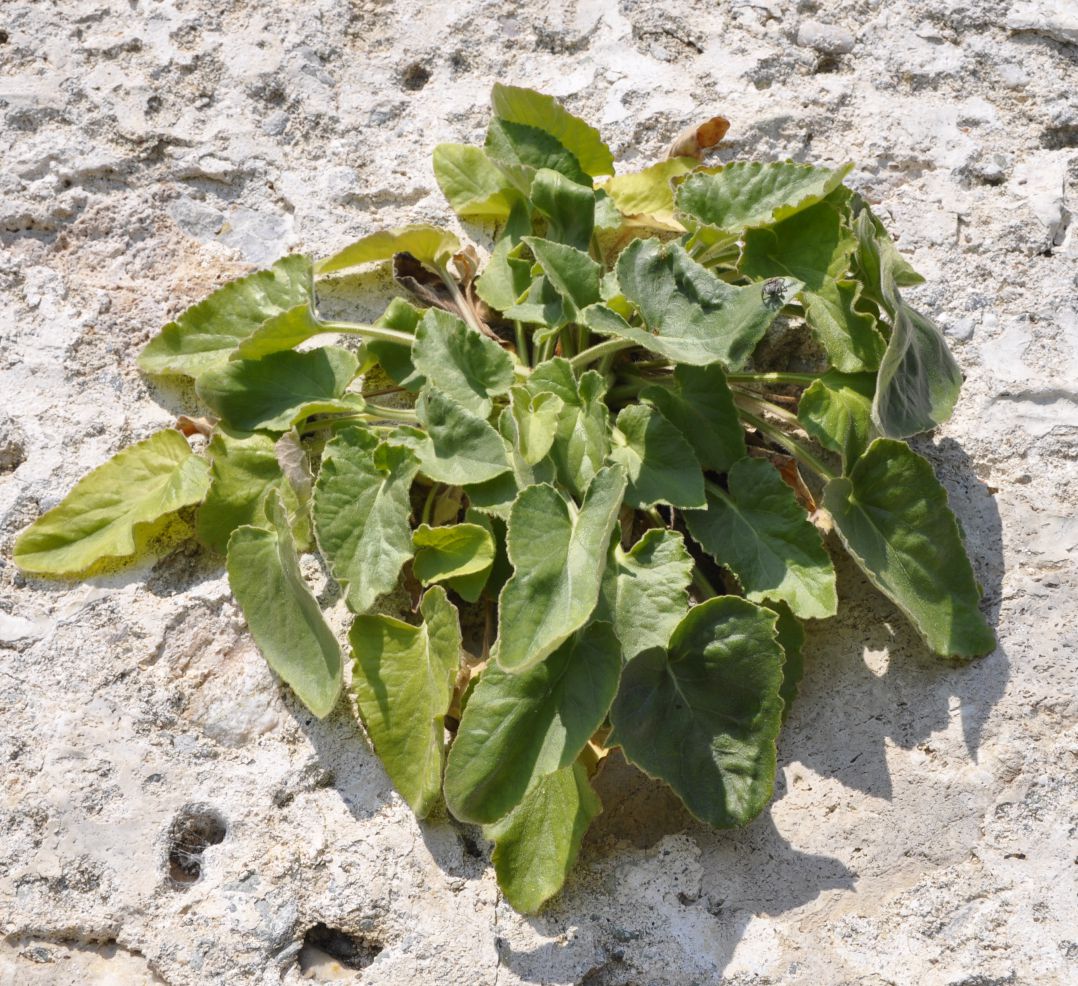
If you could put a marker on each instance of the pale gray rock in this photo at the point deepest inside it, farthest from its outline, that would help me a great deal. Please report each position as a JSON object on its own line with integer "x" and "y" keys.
{"x": 828, "y": 39}
{"x": 922, "y": 831}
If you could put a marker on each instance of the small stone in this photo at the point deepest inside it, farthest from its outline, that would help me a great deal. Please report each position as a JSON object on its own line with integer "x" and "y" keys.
{"x": 827, "y": 39}
{"x": 1055, "y": 19}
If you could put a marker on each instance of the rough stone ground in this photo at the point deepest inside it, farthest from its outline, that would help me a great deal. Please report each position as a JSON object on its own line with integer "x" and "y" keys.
{"x": 923, "y": 831}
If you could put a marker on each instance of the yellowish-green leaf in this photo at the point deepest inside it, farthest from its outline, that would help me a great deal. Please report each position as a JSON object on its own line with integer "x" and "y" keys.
{"x": 472, "y": 184}
{"x": 281, "y": 612}
{"x": 650, "y": 193}
{"x": 458, "y": 554}
{"x": 403, "y": 683}
{"x": 431, "y": 246}
{"x": 111, "y": 513}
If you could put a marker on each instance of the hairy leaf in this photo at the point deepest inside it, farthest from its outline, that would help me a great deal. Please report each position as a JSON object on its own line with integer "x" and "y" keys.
{"x": 394, "y": 358}
{"x": 791, "y": 636}
{"x": 536, "y": 844}
{"x": 535, "y": 109}
{"x": 660, "y": 463}
{"x": 760, "y": 532}
{"x": 431, "y": 246}
{"x": 571, "y": 272}
{"x": 361, "y": 511}
{"x": 703, "y": 716}
{"x": 815, "y": 247}
{"x": 472, "y": 184}
{"x": 558, "y": 552}
{"x": 458, "y": 447}
{"x": 751, "y": 193}
{"x": 691, "y": 315}
{"x": 892, "y": 515}
{"x": 700, "y": 406}
{"x": 403, "y": 683}
{"x": 111, "y": 512}
{"x": 458, "y": 554}
{"x": 536, "y": 417}
{"x": 837, "y": 411}
{"x": 281, "y": 389}
{"x": 244, "y": 472}
{"x": 204, "y": 335}
{"x": 568, "y": 206}
{"x": 467, "y": 366}
{"x": 644, "y": 591}
{"x": 918, "y": 381}
{"x": 520, "y": 151}
{"x": 650, "y": 193}
{"x": 282, "y": 614}
{"x": 284, "y": 331}
{"x": 519, "y": 727}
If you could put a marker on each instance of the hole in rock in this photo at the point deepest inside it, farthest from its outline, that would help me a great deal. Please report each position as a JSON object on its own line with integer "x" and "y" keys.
{"x": 415, "y": 77}
{"x": 324, "y": 946}
{"x": 194, "y": 829}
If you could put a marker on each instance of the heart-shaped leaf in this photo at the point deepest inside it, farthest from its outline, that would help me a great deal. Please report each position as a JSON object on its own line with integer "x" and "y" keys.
{"x": 837, "y": 411}
{"x": 760, "y": 532}
{"x": 703, "y": 716}
{"x": 281, "y": 613}
{"x": 361, "y": 511}
{"x": 892, "y": 515}
{"x": 455, "y": 553}
{"x": 519, "y": 727}
{"x": 536, "y": 844}
{"x": 558, "y": 552}
{"x": 403, "y": 684}
{"x": 660, "y": 463}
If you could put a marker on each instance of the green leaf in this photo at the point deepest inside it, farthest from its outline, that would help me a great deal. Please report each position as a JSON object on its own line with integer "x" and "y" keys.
{"x": 704, "y": 716}
{"x": 112, "y": 512}
{"x": 520, "y": 151}
{"x": 472, "y": 184}
{"x": 284, "y": 331}
{"x": 791, "y": 636}
{"x": 760, "y": 532}
{"x": 814, "y": 246}
{"x": 582, "y": 442}
{"x": 751, "y": 193}
{"x": 692, "y": 316}
{"x": 448, "y": 553}
{"x": 644, "y": 591}
{"x": 394, "y": 358}
{"x": 460, "y": 362}
{"x": 569, "y": 207}
{"x": 918, "y": 381}
{"x": 281, "y": 389}
{"x": 836, "y": 410}
{"x": 403, "y": 683}
{"x": 701, "y": 407}
{"x": 536, "y": 844}
{"x": 660, "y": 463}
{"x": 281, "y": 613}
{"x": 558, "y": 553}
{"x": 204, "y": 335}
{"x": 361, "y": 511}
{"x": 507, "y": 276}
{"x": 520, "y": 727}
{"x": 244, "y": 472}
{"x": 431, "y": 246}
{"x": 571, "y": 272}
{"x": 536, "y": 417}
{"x": 650, "y": 192}
{"x": 892, "y": 515}
{"x": 535, "y": 109}
{"x": 458, "y": 447}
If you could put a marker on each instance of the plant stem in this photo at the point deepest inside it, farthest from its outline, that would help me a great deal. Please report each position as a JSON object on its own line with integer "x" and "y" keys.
{"x": 744, "y": 399}
{"x": 343, "y": 420}
{"x": 522, "y": 342}
{"x": 610, "y": 346}
{"x": 703, "y": 585}
{"x": 372, "y": 332}
{"x": 428, "y": 504}
{"x": 405, "y": 414}
{"x": 794, "y": 447}
{"x": 798, "y": 379}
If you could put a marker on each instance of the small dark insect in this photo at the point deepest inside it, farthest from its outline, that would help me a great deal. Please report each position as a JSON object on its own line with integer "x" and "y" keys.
{"x": 774, "y": 292}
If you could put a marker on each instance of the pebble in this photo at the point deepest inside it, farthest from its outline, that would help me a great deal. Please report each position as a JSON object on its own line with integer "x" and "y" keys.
{"x": 827, "y": 39}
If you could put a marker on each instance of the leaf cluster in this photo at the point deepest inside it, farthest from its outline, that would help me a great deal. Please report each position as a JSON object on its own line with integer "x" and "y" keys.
{"x": 601, "y": 465}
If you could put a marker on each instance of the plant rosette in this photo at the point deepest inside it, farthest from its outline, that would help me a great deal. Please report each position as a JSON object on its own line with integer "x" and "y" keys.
{"x": 659, "y": 383}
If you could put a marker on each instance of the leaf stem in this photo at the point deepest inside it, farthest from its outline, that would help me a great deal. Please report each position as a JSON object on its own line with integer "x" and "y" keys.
{"x": 371, "y": 332}
{"x": 428, "y": 504}
{"x": 794, "y": 447}
{"x": 703, "y": 584}
{"x": 522, "y": 342}
{"x": 610, "y": 346}
{"x": 405, "y": 414}
{"x": 797, "y": 379}
{"x": 753, "y": 402}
